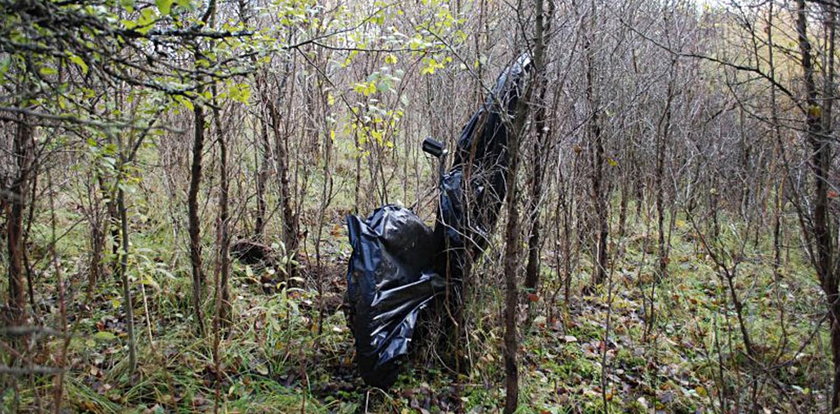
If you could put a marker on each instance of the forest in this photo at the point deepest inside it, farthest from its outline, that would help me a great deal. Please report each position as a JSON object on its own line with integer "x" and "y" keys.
{"x": 187, "y": 187}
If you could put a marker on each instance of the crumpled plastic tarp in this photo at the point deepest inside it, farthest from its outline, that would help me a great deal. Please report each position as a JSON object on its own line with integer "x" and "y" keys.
{"x": 390, "y": 279}
{"x": 466, "y": 219}
{"x": 396, "y": 267}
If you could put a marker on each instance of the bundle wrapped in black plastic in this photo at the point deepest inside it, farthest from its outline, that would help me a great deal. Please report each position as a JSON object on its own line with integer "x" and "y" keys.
{"x": 466, "y": 217}
{"x": 399, "y": 265}
{"x": 390, "y": 280}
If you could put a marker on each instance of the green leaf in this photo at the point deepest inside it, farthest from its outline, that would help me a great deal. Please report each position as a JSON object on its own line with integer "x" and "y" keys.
{"x": 431, "y": 66}
{"x": 4, "y": 64}
{"x": 104, "y": 336}
{"x": 46, "y": 71}
{"x": 145, "y": 22}
{"x": 240, "y": 92}
{"x": 80, "y": 63}
{"x": 365, "y": 88}
{"x": 184, "y": 101}
{"x": 165, "y": 6}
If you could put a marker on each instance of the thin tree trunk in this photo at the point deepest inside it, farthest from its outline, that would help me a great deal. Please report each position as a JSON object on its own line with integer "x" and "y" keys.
{"x": 566, "y": 205}
{"x": 825, "y": 159}
{"x": 326, "y": 198}
{"x": 112, "y": 223}
{"x": 30, "y": 276}
{"x": 820, "y": 224}
{"x": 262, "y": 177}
{"x": 662, "y": 136}
{"x": 540, "y": 154}
{"x": 622, "y": 208}
{"x": 263, "y": 174}
{"x": 511, "y": 264}
{"x": 18, "y": 192}
{"x": 194, "y": 224}
{"x": 512, "y": 229}
{"x": 223, "y": 305}
{"x": 532, "y": 268}
{"x": 128, "y": 305}
{"x": 97, "y": 239}
{"x": 596, "y": 147}
{"x": 357, "y": 182}
{"x": 290, "y": 227}
{"x": 779, "y": 149}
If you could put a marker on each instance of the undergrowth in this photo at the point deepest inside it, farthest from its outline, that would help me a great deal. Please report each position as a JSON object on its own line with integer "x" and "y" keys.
{"x": 280, "y": 356}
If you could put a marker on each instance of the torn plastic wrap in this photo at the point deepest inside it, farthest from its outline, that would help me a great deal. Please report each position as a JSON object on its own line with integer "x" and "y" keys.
{"x": 481, "y": 155}
{"x": 397, "y": 260}
{"x": 390, "y": 280}
{"x": 466, "y": 219}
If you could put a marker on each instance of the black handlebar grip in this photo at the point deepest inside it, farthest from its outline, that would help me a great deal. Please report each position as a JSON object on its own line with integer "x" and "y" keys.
{"x": 433, "y": 147}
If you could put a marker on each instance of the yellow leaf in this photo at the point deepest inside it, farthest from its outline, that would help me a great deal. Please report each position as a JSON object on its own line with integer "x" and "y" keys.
{"x": 79, "y": 62}
{"x": 184, "y": 101}
{"x": 365, "y": 88}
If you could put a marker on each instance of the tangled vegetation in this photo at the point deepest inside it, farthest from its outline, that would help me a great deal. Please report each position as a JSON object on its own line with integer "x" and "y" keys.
{"x": 175, "y": 176}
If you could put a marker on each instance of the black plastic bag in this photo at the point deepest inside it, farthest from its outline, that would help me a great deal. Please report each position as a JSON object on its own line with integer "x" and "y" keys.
{"x": 390, "y": 280}
{"x": 465, "y": 219}
{"x": 481, "y": 155}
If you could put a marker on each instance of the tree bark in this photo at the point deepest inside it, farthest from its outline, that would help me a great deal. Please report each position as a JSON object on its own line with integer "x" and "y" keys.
{"x": 662, "y": 137}
{"x": 262, "y": 177}
{"x": 290, "y": 227}
{"x": 17, "y": 195}
{"x": 263, "y": 173}
{"x": 511, "y": 264}
{"x": 128, "y": 305}
{"x": 223, "y": 305}
{"x": 596, "y": 149}
{"x": 540, "y": 150}
{"x": 198, "y": 278}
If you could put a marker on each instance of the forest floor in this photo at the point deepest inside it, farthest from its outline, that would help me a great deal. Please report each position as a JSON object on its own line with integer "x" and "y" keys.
{"x": 280, "y": 356}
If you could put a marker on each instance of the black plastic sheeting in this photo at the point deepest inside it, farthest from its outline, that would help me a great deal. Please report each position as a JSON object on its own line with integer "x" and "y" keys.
{"x": 466, "y": 219}
{"x": 397, "y": 263}
{"x": 390, "y": 279}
